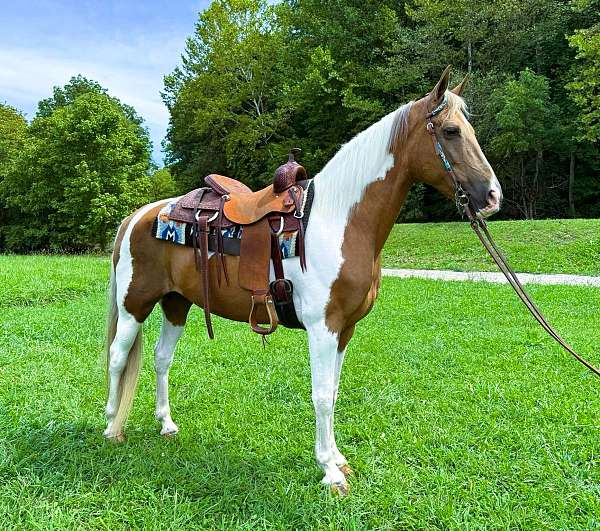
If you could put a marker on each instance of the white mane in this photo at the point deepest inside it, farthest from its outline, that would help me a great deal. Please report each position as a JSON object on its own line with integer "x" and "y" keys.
{"x": 365, "y": 159}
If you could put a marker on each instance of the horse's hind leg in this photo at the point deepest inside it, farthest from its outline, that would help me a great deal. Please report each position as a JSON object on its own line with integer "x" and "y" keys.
{"x": 175, "y": 309}
{"x": 125, "y": 337}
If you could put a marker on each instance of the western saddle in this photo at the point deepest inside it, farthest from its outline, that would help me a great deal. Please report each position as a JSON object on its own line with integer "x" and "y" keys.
{"x": 263, "y": 216}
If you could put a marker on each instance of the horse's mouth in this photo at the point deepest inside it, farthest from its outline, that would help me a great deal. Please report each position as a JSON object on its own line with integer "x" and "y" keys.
{"x": 489, "y": 210}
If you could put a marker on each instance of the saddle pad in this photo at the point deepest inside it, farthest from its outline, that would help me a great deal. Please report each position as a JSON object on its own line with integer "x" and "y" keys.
{"x": 180, "y": 233}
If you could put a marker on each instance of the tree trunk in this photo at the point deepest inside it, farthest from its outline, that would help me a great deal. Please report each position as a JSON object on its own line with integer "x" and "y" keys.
{"x": 572, "y": 184}
{"x": 470, "y": 57}
{"x": 523, "y": 190}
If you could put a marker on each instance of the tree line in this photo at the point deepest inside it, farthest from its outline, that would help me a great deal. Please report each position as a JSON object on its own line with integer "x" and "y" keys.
{"x": 68, "y": 177}
{"x": 257, "y": 78}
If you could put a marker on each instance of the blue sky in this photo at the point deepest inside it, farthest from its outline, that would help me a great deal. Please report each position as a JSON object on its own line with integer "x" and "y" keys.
{"x": 126, "y": 46}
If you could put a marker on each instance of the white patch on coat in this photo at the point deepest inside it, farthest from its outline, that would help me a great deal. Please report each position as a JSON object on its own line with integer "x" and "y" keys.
{"x": 124, "y": 268}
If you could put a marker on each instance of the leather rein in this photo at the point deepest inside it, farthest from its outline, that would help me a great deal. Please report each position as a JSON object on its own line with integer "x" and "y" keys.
{"x": 479, "y": 226}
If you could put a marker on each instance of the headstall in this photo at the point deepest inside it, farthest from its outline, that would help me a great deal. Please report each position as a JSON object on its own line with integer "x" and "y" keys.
{"x": 479, "y": 226}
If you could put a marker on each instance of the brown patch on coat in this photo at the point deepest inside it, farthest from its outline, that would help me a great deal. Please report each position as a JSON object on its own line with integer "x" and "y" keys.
{"x": 161, "y": 268}
{"x": 175, "y": 308}
{"x": 355, "y": 289}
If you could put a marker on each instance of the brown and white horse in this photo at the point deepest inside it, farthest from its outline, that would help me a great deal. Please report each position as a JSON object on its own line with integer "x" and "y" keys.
{"x": 357, "y": 198}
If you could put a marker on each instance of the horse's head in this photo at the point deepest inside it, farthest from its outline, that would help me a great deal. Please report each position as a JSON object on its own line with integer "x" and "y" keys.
{"x": 446, "y": 111}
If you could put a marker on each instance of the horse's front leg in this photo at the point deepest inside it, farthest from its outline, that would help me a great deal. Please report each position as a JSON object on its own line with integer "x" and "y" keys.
{"x": 340, "y": 460}
{"x": 325, "y": 364}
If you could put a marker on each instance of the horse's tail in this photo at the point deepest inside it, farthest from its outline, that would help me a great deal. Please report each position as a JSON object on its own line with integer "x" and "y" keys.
{"x": 129, "y": 376}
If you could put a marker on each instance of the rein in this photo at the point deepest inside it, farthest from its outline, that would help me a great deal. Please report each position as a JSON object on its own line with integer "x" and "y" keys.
{"x": 479, "y": 226}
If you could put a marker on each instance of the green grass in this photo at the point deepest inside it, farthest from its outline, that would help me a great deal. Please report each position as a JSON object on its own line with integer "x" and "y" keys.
{"x": 455, "y": 411}
{"x": 545, "y": 246}
{"x": 40, "y": 279}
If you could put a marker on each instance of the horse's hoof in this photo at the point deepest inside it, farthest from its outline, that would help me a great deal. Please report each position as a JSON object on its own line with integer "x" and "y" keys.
{"x": 346, "y": 470}
{"x": 117, "y": 439}
{"x": 340, "y": 489}
{"x": 169, "y": 429}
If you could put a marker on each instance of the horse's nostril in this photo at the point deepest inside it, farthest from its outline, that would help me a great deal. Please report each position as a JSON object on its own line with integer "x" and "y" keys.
{"x": 492, "y": 196}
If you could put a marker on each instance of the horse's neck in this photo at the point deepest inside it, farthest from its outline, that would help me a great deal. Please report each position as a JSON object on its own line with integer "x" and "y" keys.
{"x": 362, "y": 188}
{"x": 365, "y": 223}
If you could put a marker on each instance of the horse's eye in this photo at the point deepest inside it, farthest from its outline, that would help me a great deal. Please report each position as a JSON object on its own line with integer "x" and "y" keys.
{"x": 452, "y": 131}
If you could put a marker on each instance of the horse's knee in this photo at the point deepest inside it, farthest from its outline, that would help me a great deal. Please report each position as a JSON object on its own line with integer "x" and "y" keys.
{"x": 162, "y": 360}
{"x": 323, "y": 402}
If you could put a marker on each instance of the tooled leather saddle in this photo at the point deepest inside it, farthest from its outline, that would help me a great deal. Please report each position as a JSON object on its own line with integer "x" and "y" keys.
{"x": 263, "y": 215}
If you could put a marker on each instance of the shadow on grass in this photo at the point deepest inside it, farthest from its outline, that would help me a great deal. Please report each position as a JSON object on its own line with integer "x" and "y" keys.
{"x": 74, "y": 458}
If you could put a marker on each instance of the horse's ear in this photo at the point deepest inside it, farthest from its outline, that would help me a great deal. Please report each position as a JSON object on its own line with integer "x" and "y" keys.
{"x": 441, "y": 87}
{"x": 458, "y": 90}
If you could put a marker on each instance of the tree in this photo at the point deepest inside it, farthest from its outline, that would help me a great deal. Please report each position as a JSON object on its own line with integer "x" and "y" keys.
{"x": 13, "y": 137}
{"x": 84, "y": 168}
{"x": 223, "y": 99}
{"x": 162, "y": 185}
{"x": 78, "y": 86}
{"x": 585, "y": 87}
{"x": 260, "y": 77}
{"x": 526, "y": 128}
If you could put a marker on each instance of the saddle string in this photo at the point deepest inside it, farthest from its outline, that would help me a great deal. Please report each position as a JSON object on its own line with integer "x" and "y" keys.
{"x": 480, "y": 227}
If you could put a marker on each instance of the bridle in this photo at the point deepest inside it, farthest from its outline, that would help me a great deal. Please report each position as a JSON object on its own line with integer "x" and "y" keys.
{"x": 479, "y": 226}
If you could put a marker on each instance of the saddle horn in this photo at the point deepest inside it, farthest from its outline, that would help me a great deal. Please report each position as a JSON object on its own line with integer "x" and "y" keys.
{"x": 289, "y": 173}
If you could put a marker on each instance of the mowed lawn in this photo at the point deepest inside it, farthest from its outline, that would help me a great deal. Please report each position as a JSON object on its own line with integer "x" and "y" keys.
{"x": 455, "y": 411}
{"x": 542, "y": 246}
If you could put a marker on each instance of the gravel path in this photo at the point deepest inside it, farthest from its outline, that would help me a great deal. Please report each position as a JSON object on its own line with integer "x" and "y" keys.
{"x": 480, "y": 276}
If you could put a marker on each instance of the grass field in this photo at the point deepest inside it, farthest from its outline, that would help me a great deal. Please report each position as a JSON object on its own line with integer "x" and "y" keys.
{"x": 455, "y": 412}
{"x": 548, "y": 246}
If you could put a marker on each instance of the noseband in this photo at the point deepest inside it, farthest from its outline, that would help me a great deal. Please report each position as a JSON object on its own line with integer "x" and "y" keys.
{"x": 479, "y": 226}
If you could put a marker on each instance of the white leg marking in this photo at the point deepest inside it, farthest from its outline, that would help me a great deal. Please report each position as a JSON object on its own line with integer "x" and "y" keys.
{"x": 163, "y": 357}
{"x": 323, "y": 361}
{"x": 127, "y": 330}
{"x": 340, "y": 460}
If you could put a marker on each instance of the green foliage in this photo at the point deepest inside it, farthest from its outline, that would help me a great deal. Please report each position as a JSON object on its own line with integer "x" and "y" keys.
{"x": 525, "y": 115}
{"x": 222, "y": 100}
{"x": 83, "y": 168}
{"x": 13, "y": 135}
{"x": 585, "y": 87}
{"x": 162, "y": 185}
{"x": 258, "y": 79}
{"x": 78, "y": 86}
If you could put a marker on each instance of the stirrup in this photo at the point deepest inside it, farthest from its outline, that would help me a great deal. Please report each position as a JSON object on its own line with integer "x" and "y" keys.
{"x": 268, "y": 302}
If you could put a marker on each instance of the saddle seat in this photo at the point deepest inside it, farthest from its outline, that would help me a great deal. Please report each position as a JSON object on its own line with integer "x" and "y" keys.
{"x": 244, "y": 207}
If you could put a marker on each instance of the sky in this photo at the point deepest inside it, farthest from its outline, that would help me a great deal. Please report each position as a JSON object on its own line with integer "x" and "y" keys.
{"x": 127, "y": 46}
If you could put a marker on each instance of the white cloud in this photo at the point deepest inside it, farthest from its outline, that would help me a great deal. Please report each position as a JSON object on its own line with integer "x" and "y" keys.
{"x": 132, "y": 72}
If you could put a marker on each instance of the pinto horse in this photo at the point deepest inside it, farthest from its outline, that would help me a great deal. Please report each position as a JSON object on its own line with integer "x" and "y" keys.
{"x": 357, "y": 198}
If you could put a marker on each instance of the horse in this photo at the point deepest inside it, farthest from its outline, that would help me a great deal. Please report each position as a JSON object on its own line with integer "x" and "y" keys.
{"x": 357, "y": 199}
